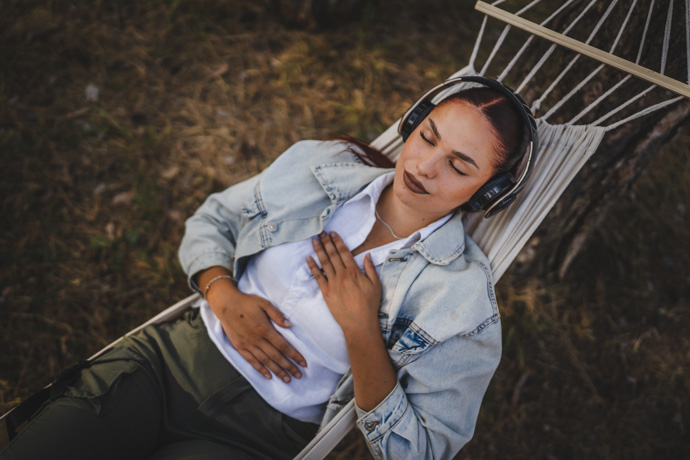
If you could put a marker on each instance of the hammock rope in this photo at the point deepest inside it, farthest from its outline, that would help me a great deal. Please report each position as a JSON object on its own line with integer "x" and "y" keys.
{"x": 478, "y": 41}
{"x": 553, "y": 47}
{"x": 596, "y": 102}
{"x": 500, "y": 40}
{"x": 644, "y": 33}
{"x": 667, "y": 36}
{"x": 517, "y": 56}
{"x": 589, "y": 77}
{"x": 537, "y": 103}
{"x": 644, "y": 112}
{"x": 624, "y": 105}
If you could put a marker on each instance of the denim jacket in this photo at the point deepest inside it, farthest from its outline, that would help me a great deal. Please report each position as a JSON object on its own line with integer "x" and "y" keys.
{"x": 438, "y": 312}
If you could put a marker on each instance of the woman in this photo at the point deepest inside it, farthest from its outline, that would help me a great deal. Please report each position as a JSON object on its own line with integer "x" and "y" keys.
{"x": 340, "y": 279}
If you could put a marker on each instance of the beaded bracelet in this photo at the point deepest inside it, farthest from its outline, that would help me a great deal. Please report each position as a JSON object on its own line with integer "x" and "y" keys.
{"x": 208, "y": 285}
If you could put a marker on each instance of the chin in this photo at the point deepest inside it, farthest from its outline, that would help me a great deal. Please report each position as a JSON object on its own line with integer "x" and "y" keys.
{"x": 403, "y": 194}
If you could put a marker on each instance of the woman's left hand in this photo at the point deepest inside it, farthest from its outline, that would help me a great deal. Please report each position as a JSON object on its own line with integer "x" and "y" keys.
{"x": 352, "y": 296}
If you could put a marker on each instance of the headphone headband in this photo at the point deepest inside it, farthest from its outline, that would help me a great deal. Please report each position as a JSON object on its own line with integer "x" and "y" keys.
{"x": 499, "y": 191}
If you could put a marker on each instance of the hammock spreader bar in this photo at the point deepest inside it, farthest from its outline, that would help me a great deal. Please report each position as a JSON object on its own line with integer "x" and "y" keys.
{"x": 587, "y": 50}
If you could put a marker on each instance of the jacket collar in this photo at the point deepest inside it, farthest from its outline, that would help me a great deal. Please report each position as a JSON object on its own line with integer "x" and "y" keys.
{"x": 445, "y": 244}
{"x": 343, "y": 180}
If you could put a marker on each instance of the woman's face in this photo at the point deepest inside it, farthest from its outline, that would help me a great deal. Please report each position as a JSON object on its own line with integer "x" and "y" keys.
{"x": 445, "y": 160}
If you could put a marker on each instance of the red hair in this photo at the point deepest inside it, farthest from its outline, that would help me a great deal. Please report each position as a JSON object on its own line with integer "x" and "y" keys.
{"x": 365, "y": 152}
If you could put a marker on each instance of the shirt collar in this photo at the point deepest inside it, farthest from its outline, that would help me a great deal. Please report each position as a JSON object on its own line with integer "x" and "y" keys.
{"x": 373, "y": 192}
{"x": 439, "y": 247}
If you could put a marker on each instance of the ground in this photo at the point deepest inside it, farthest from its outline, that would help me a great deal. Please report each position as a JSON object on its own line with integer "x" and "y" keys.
{"x": 118, "y": 118}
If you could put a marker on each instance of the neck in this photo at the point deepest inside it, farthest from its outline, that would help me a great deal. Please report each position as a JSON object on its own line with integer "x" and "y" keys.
{"x": 403, "y": 220}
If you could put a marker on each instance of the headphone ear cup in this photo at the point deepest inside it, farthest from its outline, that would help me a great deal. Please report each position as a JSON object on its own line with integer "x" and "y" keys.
{"x": 503, "y": 203}
{"x": 489, "y": 192}
{"x": 415, "y": 118}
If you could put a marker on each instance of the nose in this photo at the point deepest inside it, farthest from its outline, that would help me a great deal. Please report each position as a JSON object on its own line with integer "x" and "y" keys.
{"x": 427, "y": 164}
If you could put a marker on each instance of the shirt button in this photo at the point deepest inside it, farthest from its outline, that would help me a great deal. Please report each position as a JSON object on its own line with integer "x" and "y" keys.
{"x": 272, "y": 227}
{"x": 370, "y": 425}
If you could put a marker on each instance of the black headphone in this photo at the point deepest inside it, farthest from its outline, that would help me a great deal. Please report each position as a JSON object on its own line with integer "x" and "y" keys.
{"x": 502, "y": 189}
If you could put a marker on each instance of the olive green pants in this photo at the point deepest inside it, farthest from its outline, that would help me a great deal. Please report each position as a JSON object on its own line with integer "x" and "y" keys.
{"x": 166, "y": 393}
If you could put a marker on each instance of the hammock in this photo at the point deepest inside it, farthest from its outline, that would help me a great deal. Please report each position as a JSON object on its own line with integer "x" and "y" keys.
{"x": 564, "y": 146}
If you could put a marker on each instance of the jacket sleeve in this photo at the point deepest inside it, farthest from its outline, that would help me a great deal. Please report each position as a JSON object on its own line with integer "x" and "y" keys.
{"x": 211, "y": 233}
{"x": 432, "y": 411}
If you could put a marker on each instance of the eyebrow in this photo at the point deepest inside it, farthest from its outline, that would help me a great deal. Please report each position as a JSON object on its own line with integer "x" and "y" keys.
{"x": 460, "y": 155}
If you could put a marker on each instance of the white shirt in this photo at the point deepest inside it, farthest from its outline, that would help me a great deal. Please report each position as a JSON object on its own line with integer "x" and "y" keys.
{"x": 280, "y": 275}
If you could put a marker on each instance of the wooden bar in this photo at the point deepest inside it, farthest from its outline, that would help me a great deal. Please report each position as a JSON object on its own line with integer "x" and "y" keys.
{"x": 582, "y": 48}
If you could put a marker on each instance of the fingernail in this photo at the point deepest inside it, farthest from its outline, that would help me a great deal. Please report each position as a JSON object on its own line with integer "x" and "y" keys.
{"x": 267, "y": 376}
{"x": 298, "y": 375}
{"x": 287, "y": 323}
{"x": 332, "y": 234}
{"x": 286, "y": 379}
{"x": 302, "y": 363}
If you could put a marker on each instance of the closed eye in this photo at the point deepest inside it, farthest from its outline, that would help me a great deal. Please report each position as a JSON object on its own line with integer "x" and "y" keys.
{"x": 425, "y": 139}
{"x": 450, "y": 162}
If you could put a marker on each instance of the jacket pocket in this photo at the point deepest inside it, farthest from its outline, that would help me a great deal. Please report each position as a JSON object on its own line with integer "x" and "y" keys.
{"x": 407, "y": 342}
{"x": 250, "y": 209}
{"x": 254, "y": 206}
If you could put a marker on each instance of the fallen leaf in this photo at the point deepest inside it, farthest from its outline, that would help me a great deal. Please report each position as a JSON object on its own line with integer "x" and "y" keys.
{"x": 91, "y": 92}
{"x": 220, "y": 70}
{"x": 110, "y": 231}
{"x": 170, "y": 172}
{"x": 123, "y": 198}
{"x": 175, "y": 215}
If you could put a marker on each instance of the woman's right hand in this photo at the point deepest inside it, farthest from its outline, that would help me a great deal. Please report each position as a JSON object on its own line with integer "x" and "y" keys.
{"x": 246, "y": 320}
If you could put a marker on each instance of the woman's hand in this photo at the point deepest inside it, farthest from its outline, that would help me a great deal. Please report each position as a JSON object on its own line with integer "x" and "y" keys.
{"x": 353, "y": 297}
{"x": 246, "y": 320}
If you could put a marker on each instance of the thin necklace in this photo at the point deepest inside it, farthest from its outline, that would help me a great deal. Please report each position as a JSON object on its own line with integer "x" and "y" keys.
{"x": 376, "y": 211}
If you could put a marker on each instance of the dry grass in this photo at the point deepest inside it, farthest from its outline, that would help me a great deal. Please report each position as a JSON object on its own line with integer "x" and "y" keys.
{"x": 193, "y": 96}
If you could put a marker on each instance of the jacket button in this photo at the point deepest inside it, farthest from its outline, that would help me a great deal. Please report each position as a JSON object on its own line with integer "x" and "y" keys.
{"x": 370, "y": 425}
{"x": 272, "y": 227}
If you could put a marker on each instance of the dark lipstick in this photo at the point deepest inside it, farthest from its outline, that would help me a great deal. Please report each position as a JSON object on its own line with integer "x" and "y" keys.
{"x": 413, "y": 184}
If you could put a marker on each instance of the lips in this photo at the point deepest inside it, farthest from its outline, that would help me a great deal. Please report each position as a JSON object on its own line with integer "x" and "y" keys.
{"x": 413, "y": 184}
